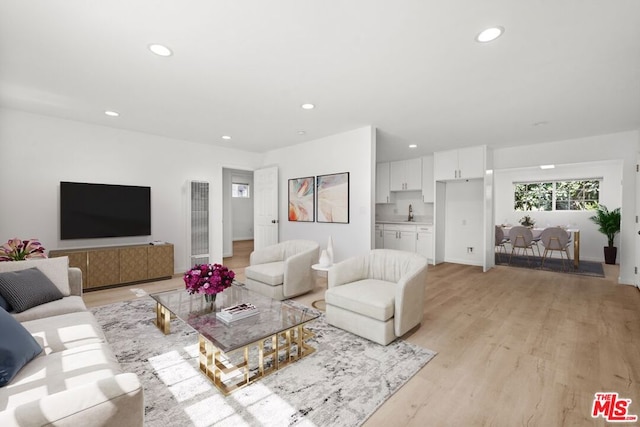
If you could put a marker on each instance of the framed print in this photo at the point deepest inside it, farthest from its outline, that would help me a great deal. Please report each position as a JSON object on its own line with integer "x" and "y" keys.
{"x": 301, "y": 199}
{"x": 333, "y": 198}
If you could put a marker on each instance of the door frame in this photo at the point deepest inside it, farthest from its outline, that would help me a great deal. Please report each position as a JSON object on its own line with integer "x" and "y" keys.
{"x": 637, "y": 229}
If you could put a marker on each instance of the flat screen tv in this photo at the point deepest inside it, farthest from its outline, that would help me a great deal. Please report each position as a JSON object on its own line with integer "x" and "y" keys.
{"x": 104, "y": 210}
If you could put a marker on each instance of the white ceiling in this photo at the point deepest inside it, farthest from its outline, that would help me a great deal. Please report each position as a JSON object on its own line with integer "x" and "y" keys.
{"x": 411, "y": 68}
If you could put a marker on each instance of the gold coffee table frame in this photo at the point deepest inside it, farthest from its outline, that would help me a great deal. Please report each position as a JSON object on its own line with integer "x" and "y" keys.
{"x": 214, "y": 363}
{"x": 289, "y": 345}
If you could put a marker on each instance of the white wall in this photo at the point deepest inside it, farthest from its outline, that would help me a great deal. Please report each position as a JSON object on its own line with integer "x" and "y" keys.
{"x": 591, "y": 240}
{"x": 37, "y": 152}
{"x": 619, "y": 146}
{"x": 352, "y": 152}
{"x": 464, "y": 226}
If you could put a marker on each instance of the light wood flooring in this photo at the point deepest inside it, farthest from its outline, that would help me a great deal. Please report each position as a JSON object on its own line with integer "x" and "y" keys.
{"x": 515, "y": 346}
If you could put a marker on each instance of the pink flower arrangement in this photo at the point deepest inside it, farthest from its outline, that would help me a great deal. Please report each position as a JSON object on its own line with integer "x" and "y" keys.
{"x": 208, "y": 279}
{"x": 18, "y": 250}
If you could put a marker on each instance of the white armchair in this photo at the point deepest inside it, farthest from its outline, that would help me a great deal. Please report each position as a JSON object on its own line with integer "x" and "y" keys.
{"x": 379, "y": 296}
{"x": 282, "y": 270}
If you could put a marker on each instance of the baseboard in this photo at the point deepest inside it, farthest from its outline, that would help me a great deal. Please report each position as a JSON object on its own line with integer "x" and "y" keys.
{"x": 464, "y": 262}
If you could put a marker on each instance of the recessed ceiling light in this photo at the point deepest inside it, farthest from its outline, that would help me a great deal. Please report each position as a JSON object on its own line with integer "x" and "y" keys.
{"x": 160, "y": 50}
{"x": 490, "y": 34}
{"x": 227, "y": 137}
{"x": 413, "y": 146}
{"x": 308, "y": 106}
{"x": 301, "y": 132}
{"x": 547, "y": 166}
{"x": 112, "y": 113}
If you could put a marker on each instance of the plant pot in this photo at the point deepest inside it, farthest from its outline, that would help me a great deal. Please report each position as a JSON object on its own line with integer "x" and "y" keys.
{"x": 610, "y": 253}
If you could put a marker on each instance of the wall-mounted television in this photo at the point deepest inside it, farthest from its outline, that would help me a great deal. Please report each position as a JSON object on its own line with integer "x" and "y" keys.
{"x": 104, "y": 210}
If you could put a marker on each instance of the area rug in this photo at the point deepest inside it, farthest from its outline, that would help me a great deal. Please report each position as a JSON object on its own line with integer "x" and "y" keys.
{"x": 585, "y": 268}
{"x": 341, "y": 384}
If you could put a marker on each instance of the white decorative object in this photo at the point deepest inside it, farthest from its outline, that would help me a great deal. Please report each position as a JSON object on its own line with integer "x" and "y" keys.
{"x": 324, "y": 261}
{"x": 330, "y": 250}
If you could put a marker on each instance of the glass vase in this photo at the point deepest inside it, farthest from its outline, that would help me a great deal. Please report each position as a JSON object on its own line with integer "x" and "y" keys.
{"x": 210, "y": 299}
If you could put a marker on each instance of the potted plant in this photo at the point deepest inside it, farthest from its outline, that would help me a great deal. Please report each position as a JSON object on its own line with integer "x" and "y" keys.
{"x": 208, "y": 279}
{"x": 527, "y": 221}
{"x": 18, "y": 250}
{"x": 609, "y": 225}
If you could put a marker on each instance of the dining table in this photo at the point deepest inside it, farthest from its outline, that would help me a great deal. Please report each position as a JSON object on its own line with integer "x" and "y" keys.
{"x": 573, "y": 232}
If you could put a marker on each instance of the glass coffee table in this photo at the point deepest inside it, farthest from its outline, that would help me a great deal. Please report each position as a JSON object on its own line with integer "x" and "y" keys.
{"x": 238, "y": 353}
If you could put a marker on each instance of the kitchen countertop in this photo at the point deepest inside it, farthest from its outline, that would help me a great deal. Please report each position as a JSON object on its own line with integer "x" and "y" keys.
{"x": 404, "y": 222}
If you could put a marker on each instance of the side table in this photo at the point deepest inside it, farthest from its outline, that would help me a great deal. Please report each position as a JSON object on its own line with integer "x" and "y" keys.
{"x": 320, "y": 304}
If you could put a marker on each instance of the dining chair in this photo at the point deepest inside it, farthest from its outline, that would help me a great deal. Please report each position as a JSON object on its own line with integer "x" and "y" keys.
{"x": 500, "y": 241}
{"x": 521, "y": 238}
{"x": 555, "y": 239}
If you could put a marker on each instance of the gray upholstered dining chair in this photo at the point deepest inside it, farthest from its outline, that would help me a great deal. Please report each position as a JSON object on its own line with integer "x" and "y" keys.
{"x": 500, "y": 242}
{"x": 555, "y": 239}
{"x": 521, "y": 238}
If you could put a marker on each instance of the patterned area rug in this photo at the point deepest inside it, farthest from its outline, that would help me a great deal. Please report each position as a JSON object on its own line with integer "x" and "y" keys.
{"x": 585, "y": 268}
{"x": 341, "y": 384}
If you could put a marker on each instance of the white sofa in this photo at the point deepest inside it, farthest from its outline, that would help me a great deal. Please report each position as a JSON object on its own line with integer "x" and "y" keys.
{"x": 76, "y": 380}
{"x": 378, "y": 296}
{"x": 282, "y": 270}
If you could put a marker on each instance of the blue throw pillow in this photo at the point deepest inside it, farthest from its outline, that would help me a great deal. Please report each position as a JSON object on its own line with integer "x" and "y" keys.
{"x": 27, "y": 288}
{"x": 4, "y": 304}
{"x": 17, "y": 347}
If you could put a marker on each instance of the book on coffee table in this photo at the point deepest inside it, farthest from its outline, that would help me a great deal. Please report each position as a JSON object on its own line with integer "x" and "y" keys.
{"x": 237, "y": 312}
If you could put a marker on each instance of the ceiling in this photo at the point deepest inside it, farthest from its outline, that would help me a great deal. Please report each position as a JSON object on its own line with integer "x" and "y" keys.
{"x": 562, "y": 69}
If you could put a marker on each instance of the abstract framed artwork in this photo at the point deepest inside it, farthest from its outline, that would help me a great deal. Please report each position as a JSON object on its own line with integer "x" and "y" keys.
{"x": 333, "y": 198}
{"x": 302, "y": 199}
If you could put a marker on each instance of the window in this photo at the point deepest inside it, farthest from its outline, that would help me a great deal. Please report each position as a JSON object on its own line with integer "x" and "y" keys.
{"x": 240, "y": 190}
{"x": 577, "y": 195}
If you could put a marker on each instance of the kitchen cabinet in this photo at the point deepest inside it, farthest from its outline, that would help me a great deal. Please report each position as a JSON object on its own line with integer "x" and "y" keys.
{"x": 427, "y": 179}
{"x": 382, "y": 183}
{"x": 399, "y": 236}
{"x": 405, "y": 175}
{"x": 424, "y": 241}
{"x": 379, "y": 236}
{"x": 465, "y": 163}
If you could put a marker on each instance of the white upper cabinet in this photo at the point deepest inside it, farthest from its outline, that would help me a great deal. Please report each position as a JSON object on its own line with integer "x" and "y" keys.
{"x": 382, "y": 183}
{"x": 414, "y": 174}
{"x": 465, "y": 163}
{"x": 427, "y": 179}
{"x": 406, "y": 175}
{"x": 445, "y": 165}
{"x": 471, "y": 162}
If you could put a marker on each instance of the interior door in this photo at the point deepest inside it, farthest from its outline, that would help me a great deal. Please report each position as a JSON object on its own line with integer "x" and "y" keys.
{"x": 265, "y": 208}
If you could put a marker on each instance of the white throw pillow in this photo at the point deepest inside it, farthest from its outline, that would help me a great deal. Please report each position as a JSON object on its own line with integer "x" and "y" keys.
{"x": 56, "y": 269}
